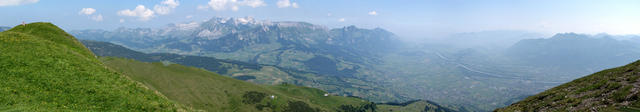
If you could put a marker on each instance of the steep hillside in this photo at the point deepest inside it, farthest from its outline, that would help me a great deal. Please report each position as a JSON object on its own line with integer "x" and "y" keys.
{"x": 202, "y": 89}
{"x": 45, "y": 69}
{"x": 613, "y": 89}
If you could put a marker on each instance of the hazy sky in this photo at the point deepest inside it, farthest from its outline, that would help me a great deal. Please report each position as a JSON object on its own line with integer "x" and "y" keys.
{"x": 407, "y": 18}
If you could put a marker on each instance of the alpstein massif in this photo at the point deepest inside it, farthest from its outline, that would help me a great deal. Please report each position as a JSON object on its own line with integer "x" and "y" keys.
{"x": 264, "y": 42}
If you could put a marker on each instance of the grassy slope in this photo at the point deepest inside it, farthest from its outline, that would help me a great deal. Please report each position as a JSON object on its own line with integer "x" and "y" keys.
{"x": 45, "y": 69}
{"x": 202, "y": 89}
{"x": 415, "y": 106}
{"x": 613, "y": 89}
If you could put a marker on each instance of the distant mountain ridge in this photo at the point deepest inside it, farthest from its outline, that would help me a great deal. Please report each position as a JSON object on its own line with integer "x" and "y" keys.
{"x": 576, "y": 51}
{"x": 496, "y": 39}
{"x": 3, "y": 28}
{"x": 232, "y": 34}
{"x": 264, "y": 42}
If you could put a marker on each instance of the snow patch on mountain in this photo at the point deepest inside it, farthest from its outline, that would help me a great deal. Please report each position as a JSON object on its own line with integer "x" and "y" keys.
{"x": 210, "y": 35}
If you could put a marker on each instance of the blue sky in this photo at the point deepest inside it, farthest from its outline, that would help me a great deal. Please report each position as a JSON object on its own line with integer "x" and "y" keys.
{"x": 407, "y": 18}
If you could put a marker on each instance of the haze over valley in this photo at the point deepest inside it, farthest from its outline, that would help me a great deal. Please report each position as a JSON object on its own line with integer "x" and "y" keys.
{"x": 287, "y": 55}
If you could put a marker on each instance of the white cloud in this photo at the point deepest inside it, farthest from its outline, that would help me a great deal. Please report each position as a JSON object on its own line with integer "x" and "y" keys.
{"x": 171, "y": 3}
{"x": 373, "y": 13}
{"x": 188, "y": 17}
{"x": 165, "y": 7}
{"x": 286, "y": 3}
{"x": 145, "y": 14}
{"x": 121, "y": 20}
{"x": 161, "y": 10}
{"x": 219, "y": 4}
{"x": 234, "y": 5}
{"x": 97, "y": 17}
{"x": 87, "y": 11}
{"x": 16, "y": 2}
{"x": 342, "y": 20}
{"x": 329, "y": 14}
{"x": 254, "y": 3}
{"x": 140, "y": 11}
{"x": 234, "y": 8}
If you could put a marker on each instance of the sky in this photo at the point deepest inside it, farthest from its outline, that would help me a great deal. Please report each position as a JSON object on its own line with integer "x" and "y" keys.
{"x": 406, "y": 18}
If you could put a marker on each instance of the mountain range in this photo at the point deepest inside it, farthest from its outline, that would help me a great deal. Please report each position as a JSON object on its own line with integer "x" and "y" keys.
{"x": 245, "y": 35}
{"x": 578, "y": 51}
{"x": 571, "y": 55}
{"x": 2, "y": 28}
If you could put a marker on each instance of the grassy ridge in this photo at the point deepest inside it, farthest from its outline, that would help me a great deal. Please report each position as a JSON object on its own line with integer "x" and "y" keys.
{"x": 45, "y": 69}
{"x": 205, "y": 90}
{"x": 613, "y": 89}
